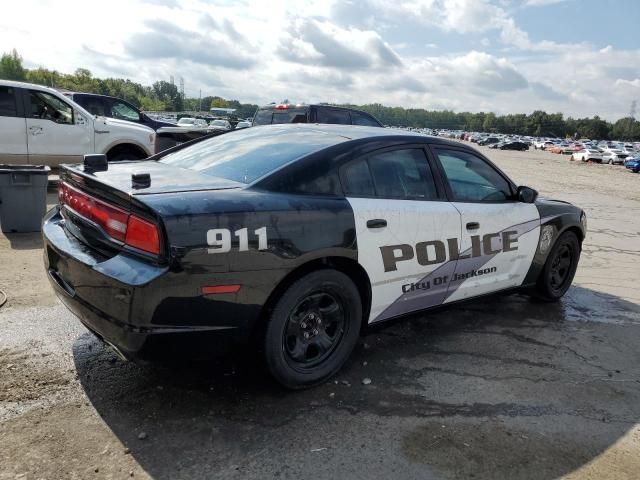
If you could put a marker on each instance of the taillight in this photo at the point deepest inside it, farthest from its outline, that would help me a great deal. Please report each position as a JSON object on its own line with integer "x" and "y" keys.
{"x": 117, "y": 223}
{"x": 282, "y": 106}
{"x": 143, "y": 235}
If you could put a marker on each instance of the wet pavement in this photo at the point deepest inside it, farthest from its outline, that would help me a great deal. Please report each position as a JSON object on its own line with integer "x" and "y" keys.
{"x": 503, "y": 387}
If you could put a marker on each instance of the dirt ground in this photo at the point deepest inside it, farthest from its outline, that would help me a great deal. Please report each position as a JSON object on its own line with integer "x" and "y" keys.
{"x": 501, "y": 388}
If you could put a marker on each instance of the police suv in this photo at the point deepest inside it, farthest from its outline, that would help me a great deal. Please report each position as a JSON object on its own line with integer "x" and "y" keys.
{"x": 293, "y": 238}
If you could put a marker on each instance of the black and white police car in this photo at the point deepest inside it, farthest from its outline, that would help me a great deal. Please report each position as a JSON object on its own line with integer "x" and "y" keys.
{"x": 295, "y": 237}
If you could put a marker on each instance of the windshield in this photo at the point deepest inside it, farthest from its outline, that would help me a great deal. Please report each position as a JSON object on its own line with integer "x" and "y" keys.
{"x": 186, "y": 121}
{"x": 248, "y": 154}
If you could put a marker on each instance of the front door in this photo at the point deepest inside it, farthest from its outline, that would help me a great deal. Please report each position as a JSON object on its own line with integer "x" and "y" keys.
{"x": 499, "y": 234}
{"x": 404, "y": 228}
{"x": 55, "y": 133}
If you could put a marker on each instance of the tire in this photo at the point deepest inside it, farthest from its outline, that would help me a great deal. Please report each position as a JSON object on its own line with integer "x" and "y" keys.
{"x": 312, "y": 329}
{"x": 559, "y": 269}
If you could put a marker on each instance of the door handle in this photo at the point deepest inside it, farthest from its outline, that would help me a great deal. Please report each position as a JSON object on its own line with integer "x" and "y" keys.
{"x": 35, "y": 130}
{"x": 376, "y": 223}
{"x": 473, "y": 226}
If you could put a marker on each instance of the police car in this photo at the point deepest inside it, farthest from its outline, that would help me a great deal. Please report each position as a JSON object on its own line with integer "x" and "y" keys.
{"x": 293, "y": 238}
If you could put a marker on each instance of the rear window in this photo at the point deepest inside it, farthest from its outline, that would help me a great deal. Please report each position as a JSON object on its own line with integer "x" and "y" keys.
{"x": 248, "y": 154}
{"x": 270, "y": 116}
{"x": 333, "y": 116}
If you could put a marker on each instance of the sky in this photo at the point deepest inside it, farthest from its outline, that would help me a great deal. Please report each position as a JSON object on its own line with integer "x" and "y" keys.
{"x": 578, "y": 57}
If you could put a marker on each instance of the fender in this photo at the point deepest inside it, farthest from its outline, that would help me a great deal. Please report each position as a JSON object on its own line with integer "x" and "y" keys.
{"x": 560, "y": 216}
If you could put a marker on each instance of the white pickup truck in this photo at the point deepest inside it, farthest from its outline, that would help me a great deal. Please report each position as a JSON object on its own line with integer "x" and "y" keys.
{"x": 40, "y": 126}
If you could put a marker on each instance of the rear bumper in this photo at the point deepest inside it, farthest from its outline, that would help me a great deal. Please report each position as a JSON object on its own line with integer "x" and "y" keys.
{"x": 126, "y": 302}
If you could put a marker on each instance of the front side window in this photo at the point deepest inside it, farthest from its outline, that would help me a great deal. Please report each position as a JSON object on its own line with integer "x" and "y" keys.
{"x": 472, "y": 179}
{"x": 333, "y": 115}
{"x": 123, "y": 111}
{"x": 400, "y": 174}
{"x": 48, "y": 107}
{"x": 8, "y": 102}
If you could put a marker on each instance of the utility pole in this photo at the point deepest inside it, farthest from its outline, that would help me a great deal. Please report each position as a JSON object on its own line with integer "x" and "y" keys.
{"x": 200, "y": 104}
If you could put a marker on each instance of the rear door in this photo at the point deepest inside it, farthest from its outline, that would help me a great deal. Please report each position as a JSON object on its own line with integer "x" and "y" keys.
{"x": 499, "y": 234}
{"x": 13, "y": 126}
{"x": 55, "y": 132}
{"x": 404, "y": 227}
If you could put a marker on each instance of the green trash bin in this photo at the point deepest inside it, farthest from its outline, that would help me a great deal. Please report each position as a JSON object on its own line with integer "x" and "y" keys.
{"x": 23, "y": 197}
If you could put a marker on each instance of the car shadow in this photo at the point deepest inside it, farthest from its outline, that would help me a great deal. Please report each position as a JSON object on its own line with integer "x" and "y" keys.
{"x": 503, "y": 387}
{"x": 25, "y": 241}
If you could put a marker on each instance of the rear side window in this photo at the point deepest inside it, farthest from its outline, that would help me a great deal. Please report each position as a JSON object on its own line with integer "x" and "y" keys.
{"x": 361, "y": 119}
{"x": 8, "y": 102}
{"x": 289, "y": 116}
{"x": 250, "y": 153}
{"x": 333, "y": 115}
{"x": 357, "y": 179}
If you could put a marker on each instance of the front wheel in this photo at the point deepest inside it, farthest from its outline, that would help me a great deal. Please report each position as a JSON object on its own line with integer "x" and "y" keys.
{"x": 559, "y": 269}
{"x": 313, "y": 329}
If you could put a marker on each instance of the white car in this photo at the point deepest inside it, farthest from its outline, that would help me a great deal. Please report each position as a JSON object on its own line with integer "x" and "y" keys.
{"x": 190, "y": 122}
{"x": 588, "y": 154}
{"x": 243, "y": 125}
{"x": 220, "y": 125}
{"x": 614, "y": 155}
{"x": 39, "y": 125}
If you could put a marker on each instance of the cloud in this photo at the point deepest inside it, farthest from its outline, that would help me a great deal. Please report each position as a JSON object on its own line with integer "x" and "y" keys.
{"x": 166, "y": 40}
{"x": 541, "y": 3}
{"x": 315, "y": 42}
{"x": 546, "y": 92}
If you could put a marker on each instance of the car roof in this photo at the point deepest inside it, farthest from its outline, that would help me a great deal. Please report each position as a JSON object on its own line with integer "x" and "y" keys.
{"x": 343, "y": 132}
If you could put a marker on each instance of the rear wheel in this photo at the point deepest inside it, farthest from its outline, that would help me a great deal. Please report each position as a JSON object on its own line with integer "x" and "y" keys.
{"x": 560, "y": 268}
{"x": 312, "y": 329}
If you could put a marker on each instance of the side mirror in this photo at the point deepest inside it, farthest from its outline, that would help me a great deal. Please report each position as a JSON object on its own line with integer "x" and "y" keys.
{"x": 526, "y": 194}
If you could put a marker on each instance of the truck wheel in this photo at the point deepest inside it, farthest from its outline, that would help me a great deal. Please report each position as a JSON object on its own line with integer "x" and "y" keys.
{"x": 124, "y": 153}
{"x": 560, "y": 268}
{"x": 313, "y": 329}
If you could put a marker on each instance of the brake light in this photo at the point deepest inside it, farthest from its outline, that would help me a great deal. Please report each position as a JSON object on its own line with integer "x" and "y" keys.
{"x": 281, "y": 106}
{"x": 116, "y": 222}
{"x": 143, "y": 235}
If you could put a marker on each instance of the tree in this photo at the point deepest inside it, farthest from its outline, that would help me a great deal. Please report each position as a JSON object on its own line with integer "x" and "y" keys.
{"x": 11, "y": 67}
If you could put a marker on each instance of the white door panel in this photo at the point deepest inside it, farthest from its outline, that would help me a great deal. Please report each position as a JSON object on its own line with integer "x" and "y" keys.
{"x": 404, "y": 284}
{"x": 499, "y": 252}
{"x": 49, "y": 138}
{"x": 13, "y": 136}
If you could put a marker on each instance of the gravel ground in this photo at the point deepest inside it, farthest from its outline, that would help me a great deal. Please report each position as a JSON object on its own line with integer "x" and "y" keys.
{"x": 501, "y": 388}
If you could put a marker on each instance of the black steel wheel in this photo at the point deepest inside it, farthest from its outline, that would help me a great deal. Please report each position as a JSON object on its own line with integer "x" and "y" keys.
{"x": 560, "y": 268}
{"x": 312, "y": 329}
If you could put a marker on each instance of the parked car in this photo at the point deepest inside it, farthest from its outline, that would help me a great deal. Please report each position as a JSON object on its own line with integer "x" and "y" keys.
{"x": 243, "y": 124}
{"x": 488, "y": 140}
{"x": 633, "y": 164}
{"x": 588, "y": 155}
{"x": 514, "y": 145}
{"x": 614, "y": 156}
{"x": 39, "y": 125}
{"x": 289, "y": 113}
{"x": 220, "y": 125}
{"x": 113, "y": 107}
{"x": 191, "y": 122}
{"x": 292, "y": 238}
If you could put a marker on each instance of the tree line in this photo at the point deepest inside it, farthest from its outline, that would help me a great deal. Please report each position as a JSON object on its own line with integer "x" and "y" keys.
{"x": 165, "y": 96}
